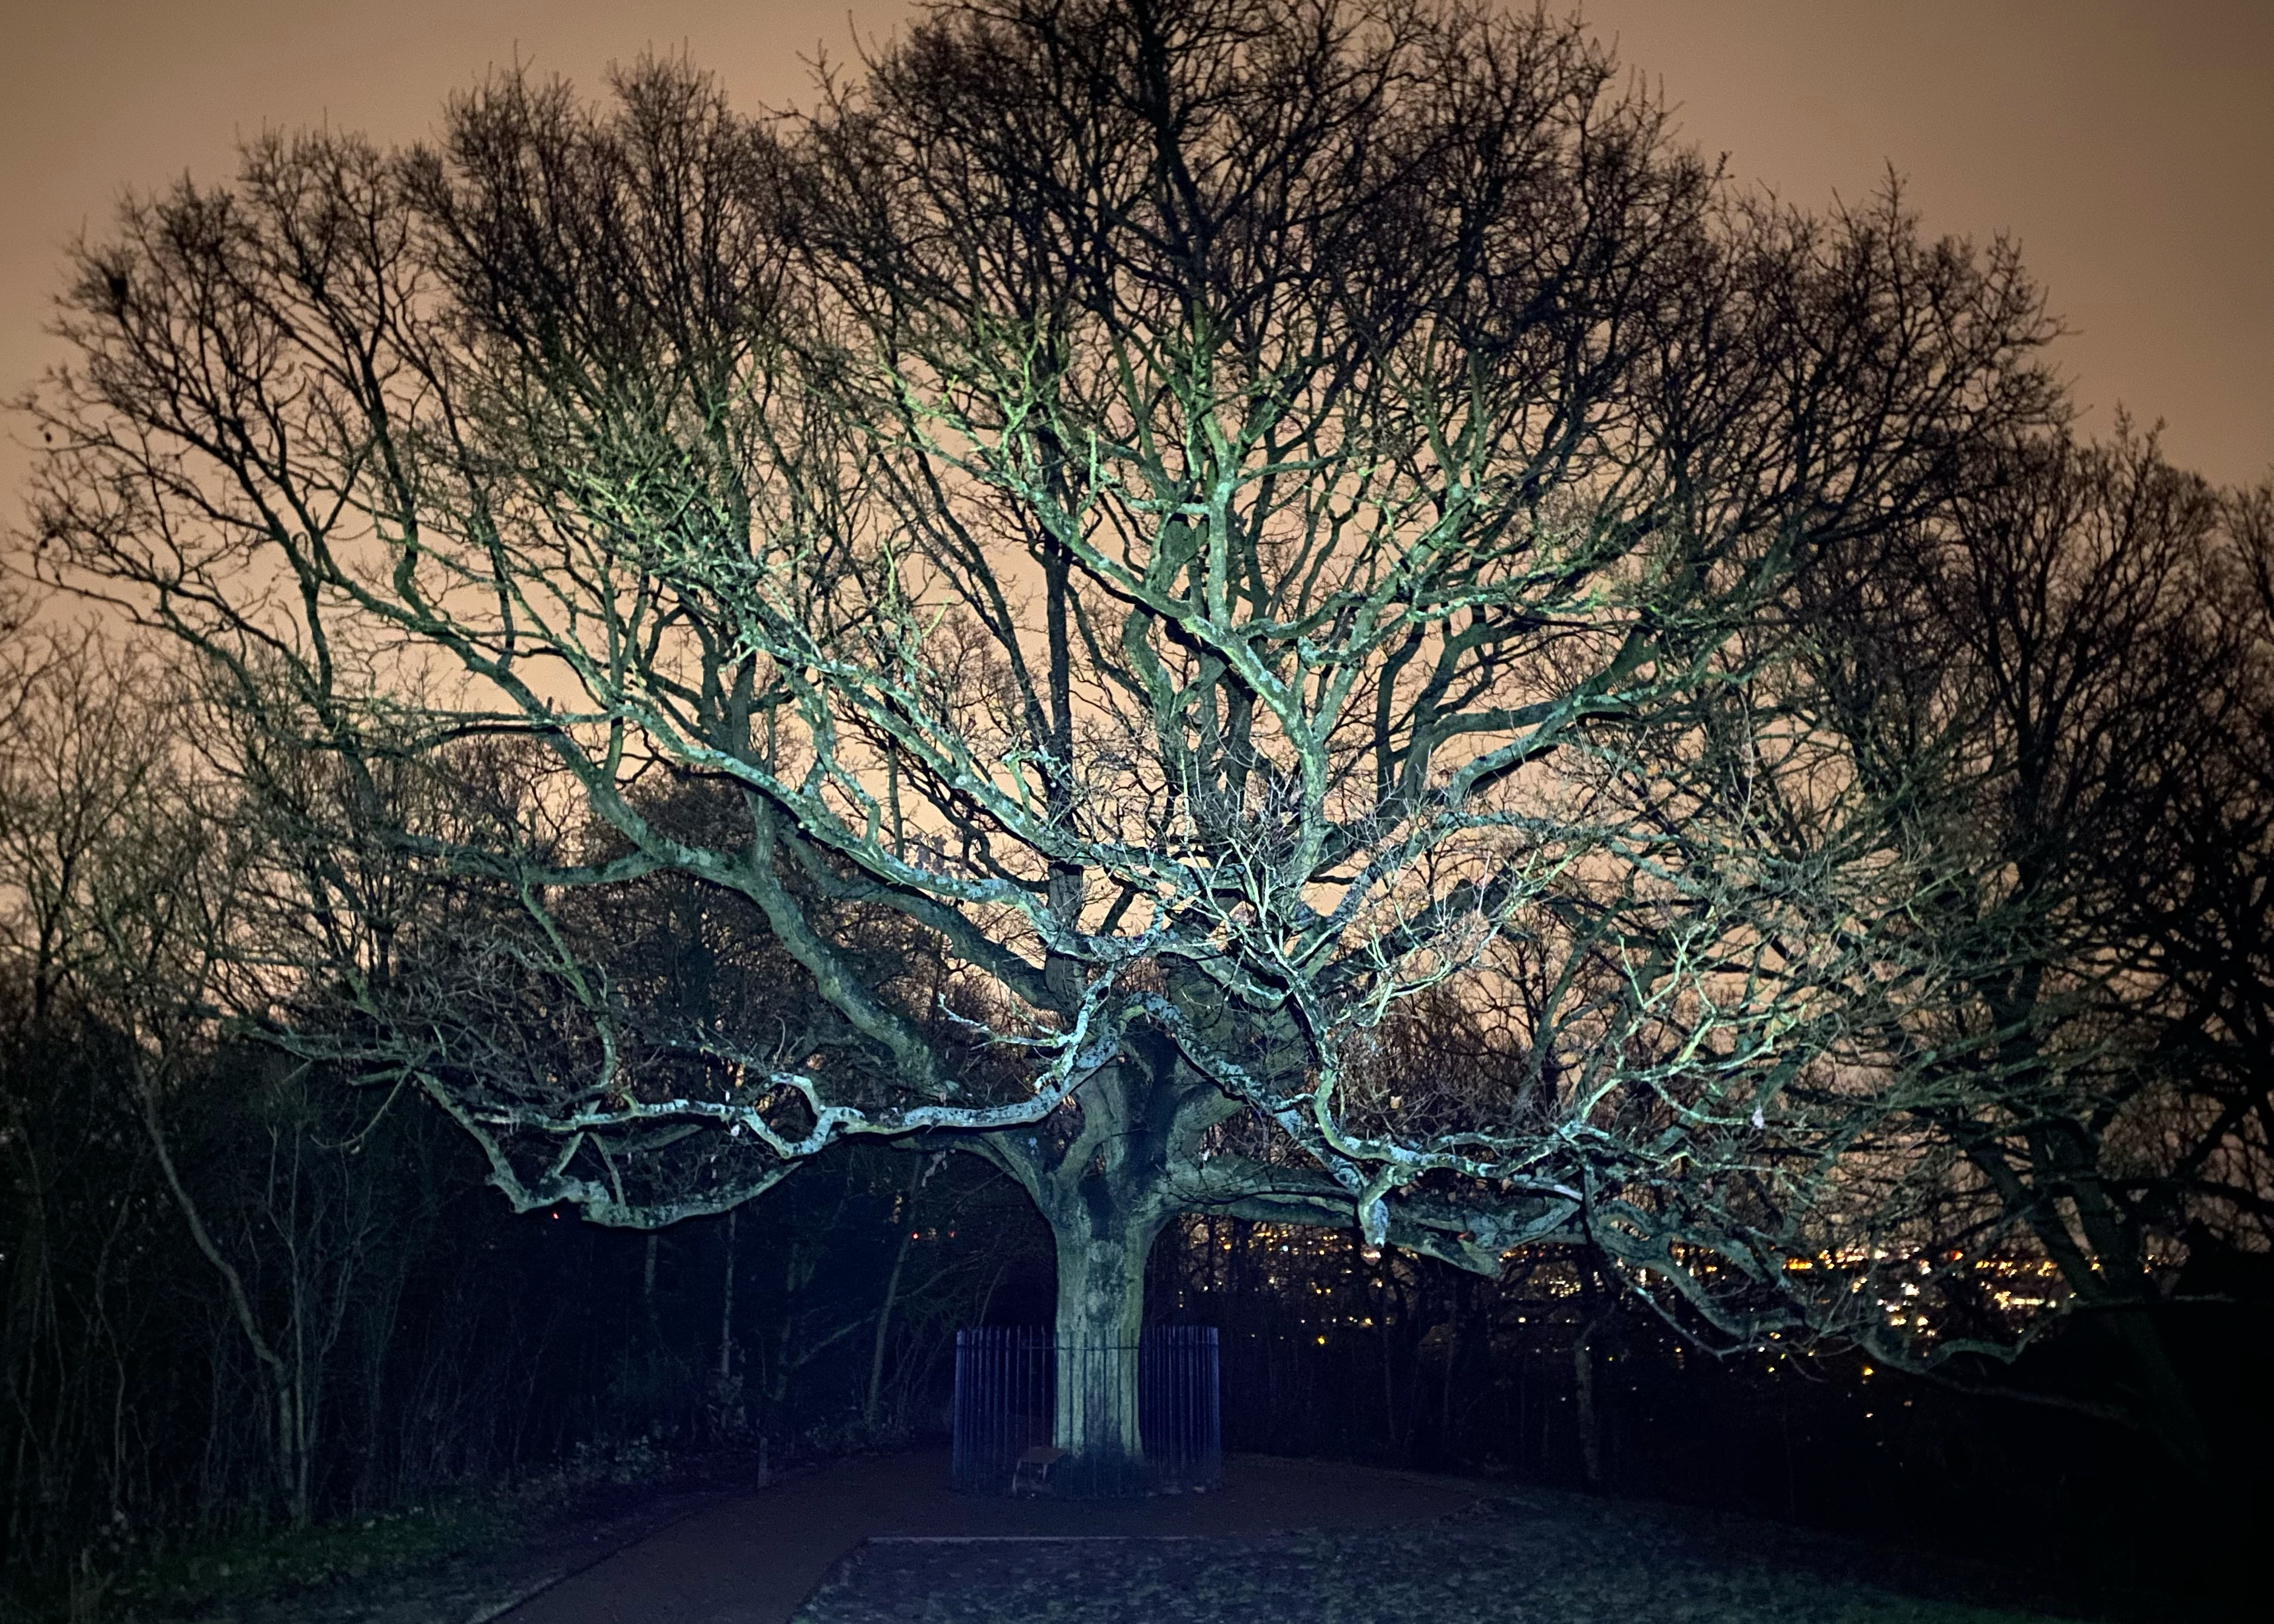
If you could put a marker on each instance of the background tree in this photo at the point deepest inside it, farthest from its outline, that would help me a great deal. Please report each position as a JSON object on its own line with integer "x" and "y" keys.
{"x": 126, "y": 883}
{"x": 2048, "y": 680}
{"x": 1200, "y": 521}
{"x": 2206, "y": 914}
{"x": 238, "y": 1295}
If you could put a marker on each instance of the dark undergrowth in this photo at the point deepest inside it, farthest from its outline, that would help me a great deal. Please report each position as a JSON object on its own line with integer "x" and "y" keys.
{"x": 444, "y": 1562}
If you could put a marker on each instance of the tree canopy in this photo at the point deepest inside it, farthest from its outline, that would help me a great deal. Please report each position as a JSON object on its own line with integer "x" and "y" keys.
{"x": 1130, "y": 549}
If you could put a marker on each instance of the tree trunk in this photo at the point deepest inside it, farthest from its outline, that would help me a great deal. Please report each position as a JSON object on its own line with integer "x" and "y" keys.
{"x": 1588, "y": 1420}
{"x": 727, "y": 1305}
{"x": 903, "y": 1215}
{"x": 2163, "y": 1407}
{"x": 647, "y": 1287}
{"x": 1101, "y": 1246}
{"x": 1099, "y": 1172}
{"x": 291, "y": 1444}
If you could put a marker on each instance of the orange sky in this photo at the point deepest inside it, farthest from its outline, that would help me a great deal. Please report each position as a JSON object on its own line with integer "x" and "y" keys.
{"x": 2128, "y": 144}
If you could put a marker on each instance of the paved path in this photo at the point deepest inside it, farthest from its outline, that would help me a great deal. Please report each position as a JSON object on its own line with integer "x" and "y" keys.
{"x": 751, "y": 1560}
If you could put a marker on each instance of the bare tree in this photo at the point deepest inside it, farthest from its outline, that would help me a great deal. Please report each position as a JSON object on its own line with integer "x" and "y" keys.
{"x": 119, "y": 880}
{"x": 1197, "y": 521}
{"x": 2062, "y": 687}
{"x": 2205, "y": 918}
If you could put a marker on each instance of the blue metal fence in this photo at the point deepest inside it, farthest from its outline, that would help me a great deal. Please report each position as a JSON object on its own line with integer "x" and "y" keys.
{"x": 1007, "y": 1395}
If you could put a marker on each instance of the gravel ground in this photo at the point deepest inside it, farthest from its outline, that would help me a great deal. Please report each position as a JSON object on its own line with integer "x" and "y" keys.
{"x": 1521, "y": 1560}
